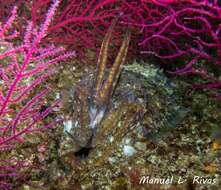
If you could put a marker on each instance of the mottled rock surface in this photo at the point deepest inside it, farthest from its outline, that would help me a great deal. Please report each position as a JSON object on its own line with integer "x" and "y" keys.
{"x": 150, "y": 129}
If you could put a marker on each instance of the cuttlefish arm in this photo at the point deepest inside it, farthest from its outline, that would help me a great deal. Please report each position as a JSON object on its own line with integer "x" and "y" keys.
{"x": 104, "y": 88}
{"x": 102, "y": 59}
{"x": 115, "y": 71}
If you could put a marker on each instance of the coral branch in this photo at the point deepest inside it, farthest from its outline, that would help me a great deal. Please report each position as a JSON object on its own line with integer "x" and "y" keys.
{"x": 23, "y": 67}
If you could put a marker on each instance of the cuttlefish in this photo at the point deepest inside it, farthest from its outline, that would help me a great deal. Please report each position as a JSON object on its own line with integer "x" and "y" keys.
{"x": 91, "y": 104}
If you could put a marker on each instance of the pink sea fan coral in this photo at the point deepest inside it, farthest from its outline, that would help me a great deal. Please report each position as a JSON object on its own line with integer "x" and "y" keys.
{"x": 167, "y": 29}
{"x": 189, "y": 30}
{"x": 23, "y": 66}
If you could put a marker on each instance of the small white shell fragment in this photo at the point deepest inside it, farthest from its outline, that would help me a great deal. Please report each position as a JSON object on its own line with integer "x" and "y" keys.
{"x": 112, "y": 160}
{"x": 129, "y": 150}
{"x": 127, "y": 141}
{"x": 111, "y": 139}
{"x": 68, "y": 125}
{"x": 57, "y": 96}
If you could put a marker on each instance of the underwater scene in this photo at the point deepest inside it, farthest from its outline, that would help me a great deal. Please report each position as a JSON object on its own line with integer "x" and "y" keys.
{"x": 110, "y": 95}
